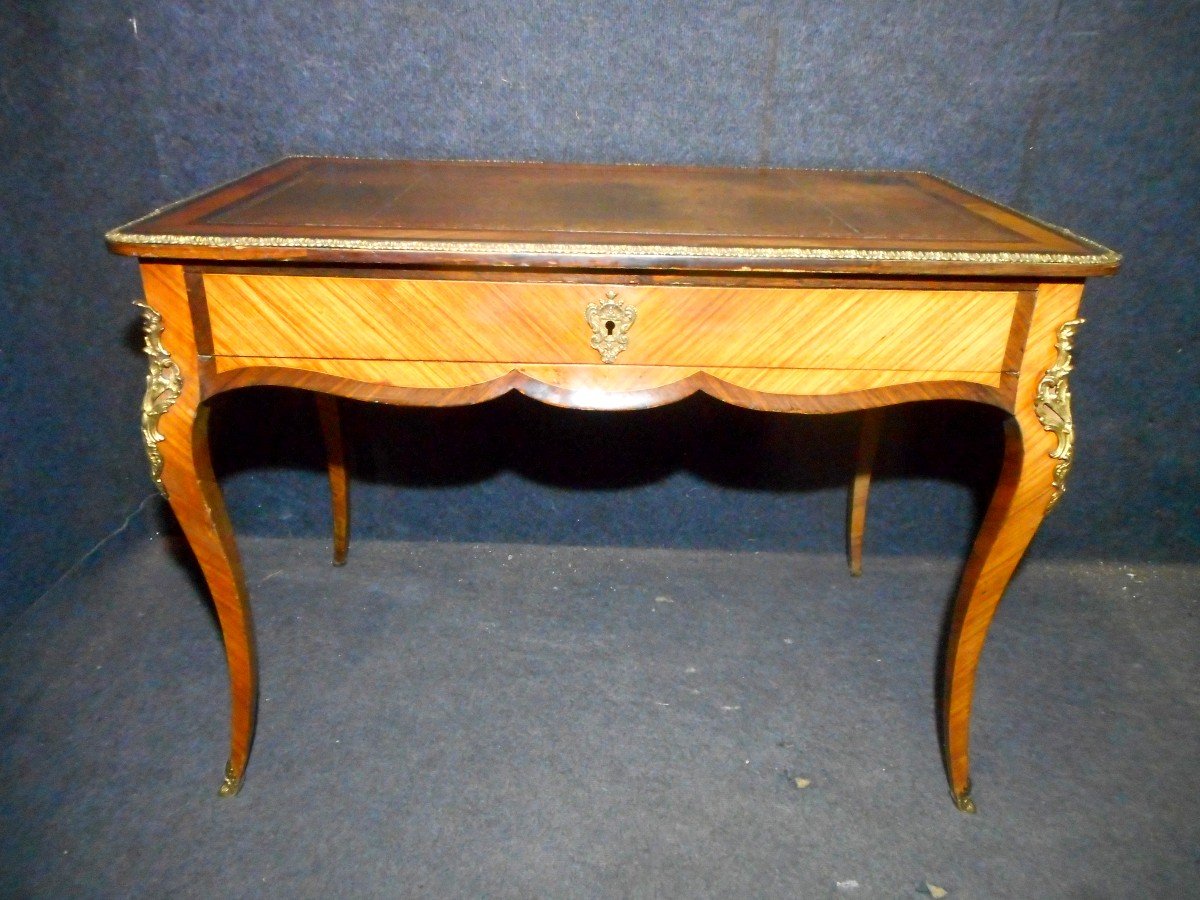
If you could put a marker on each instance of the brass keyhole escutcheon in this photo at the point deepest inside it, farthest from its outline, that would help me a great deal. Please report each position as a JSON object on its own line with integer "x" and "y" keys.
{"x": 610, "y": 322}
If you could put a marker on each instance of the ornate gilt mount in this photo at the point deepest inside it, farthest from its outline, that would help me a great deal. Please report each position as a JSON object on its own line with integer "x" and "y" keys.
{"x": 963, "y": 801}
{"x": 231, "y": 784}
{"x": 1053, "y": 407}
{"x": 163, "y": 386}
{"x": 610, "y": 322}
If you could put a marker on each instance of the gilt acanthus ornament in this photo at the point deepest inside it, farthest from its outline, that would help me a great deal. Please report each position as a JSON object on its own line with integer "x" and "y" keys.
{"x": 164, "y": 383}
{"x": 1053, "y": 407}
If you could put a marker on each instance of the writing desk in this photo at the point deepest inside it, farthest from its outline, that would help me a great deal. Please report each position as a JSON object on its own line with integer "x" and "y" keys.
{"x": 609, "y": 287}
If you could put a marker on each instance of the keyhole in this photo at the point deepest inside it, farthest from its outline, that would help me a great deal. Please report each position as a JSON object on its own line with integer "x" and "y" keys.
{"x": 610, "y": 326}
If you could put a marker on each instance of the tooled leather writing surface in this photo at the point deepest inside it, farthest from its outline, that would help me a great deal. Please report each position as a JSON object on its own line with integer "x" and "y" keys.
{"x": 605, "y": 202}
{"x": 626, "y": 207}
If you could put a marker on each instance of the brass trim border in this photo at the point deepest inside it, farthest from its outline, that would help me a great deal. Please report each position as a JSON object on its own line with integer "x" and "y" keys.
{"x": 1053, "y": 408}
{"x": 164, "y": 383}
{"x": 117, "y": 236}
{"x": 1103, "y": 253}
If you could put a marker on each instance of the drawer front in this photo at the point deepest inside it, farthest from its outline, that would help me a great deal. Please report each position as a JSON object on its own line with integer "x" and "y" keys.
{"x": 546, "y": 323}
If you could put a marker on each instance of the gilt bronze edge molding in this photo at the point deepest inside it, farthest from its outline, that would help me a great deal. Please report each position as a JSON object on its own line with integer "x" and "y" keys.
{"x": 164, "y": 383}
{"x": 652, "y": 250}
{"x": 1053, "y": 408}
{"x": 1103, "y": 253}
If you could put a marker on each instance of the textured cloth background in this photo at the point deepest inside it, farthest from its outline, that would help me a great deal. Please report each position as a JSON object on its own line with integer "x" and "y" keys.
{"x": 516, "y": 721}
{"x": 499, "y": 717}
{"x": 1083, "y": 113}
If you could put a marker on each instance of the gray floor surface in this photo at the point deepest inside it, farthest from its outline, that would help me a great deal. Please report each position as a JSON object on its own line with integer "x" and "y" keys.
{"x": 449, "y": 720}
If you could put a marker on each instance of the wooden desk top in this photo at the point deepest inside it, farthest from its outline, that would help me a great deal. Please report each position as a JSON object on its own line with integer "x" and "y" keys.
{"x": 368, "y": 211}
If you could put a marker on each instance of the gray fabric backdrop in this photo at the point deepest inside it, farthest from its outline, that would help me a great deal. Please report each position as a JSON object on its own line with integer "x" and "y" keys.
{"x": 1084, "y": 113}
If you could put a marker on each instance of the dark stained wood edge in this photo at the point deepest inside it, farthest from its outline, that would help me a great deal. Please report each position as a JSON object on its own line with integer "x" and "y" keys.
{"x": 168, "y": 219}
{"x": 543, "y": 275}
{"x": 193, "y": 279}
{"x": 700, "y": 382}
{"x": 206, "y": 368}
{"x": 1014, "y": 350}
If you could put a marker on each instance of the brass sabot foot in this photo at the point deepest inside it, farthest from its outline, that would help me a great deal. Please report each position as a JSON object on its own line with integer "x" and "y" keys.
{"x": 232, "y": 783}
{"x": 963, "y": 801}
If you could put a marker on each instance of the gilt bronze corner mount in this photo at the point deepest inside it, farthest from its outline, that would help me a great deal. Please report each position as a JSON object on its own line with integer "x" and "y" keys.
{"x": 164, "y": 383}
{"x": 1053, "y": 408}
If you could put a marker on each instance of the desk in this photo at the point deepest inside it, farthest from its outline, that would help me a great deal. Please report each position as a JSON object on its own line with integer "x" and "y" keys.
{"x": 609, "y": 287}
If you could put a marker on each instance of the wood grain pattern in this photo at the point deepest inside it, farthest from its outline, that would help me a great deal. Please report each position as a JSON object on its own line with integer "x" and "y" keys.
{"x": 462, "y": 321}
{"x": 196, "y": 500}
{"x": 1013, "y": 517}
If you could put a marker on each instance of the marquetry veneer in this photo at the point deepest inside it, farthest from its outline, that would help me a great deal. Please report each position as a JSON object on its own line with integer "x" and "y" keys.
{"x": 610, "y": 287}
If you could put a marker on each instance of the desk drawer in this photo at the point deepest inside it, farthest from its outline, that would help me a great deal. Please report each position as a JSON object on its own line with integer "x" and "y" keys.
{"x": 545, "y": 323}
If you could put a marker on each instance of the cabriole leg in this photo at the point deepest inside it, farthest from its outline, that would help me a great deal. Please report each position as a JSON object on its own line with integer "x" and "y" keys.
{"x": 1016, "y": 510}
{"x": 175, "y": 428}
{"x": 339, "y": 482}
{"x": 860, "y": 488}
{"x": 198, "y": 505}
{"x": 1038, "y": 451}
